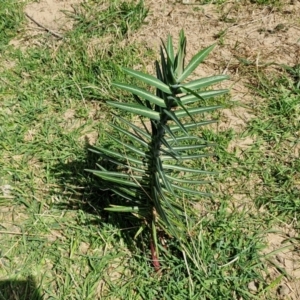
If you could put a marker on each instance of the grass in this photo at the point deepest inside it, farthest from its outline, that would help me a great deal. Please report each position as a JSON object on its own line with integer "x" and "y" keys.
{"x": 278, "y": 129}
{"x": 57, "y": 243}
{"x": 11, "y": 19}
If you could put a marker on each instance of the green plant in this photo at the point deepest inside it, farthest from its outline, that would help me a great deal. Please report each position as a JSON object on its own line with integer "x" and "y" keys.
{"x": 154, "y": 169}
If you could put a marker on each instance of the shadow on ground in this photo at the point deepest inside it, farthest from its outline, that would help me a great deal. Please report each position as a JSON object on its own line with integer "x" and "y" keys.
{"x": 84, "y": 191}
{"x": 19, "y": 289}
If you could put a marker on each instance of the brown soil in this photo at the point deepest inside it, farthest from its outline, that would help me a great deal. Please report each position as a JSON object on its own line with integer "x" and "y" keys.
{"x": 49, "y": 13}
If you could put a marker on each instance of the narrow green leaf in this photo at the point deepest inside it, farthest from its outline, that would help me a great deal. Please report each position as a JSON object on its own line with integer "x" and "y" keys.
{"x": 175, "y": 128}
{"x": 171, "y": 154}
{"x": 178, "y": 102}
{"x": 110, "y": 176}
{"x": 115, "y": 162}
{"x": 170, "y": 60}
{"x": 137, "y": 129}
{"x": 162, "y": 176}
{"x": 164, "y": 199}
{"x": 187, "y": 157}
{"x": 190, "y": 191}
{"x": 117, "y": 175}
{"x": 170, "y": 48}
{"x": 194, "y": 63}
{"x": 192, "y": 147}
{"x": 141, "y": 92}
{"x": 196, "y": 156}
{"x": 136, "y": 109}
{"x": 203, "y": 95}
{"x": 192, "y": 111}
{"x": 157, "y": 205}
{"x": 204, "y": 82}
{"x": 173, "y": 117}
{"x": 145, "y": 126}
{"x": 168, "y": 131}
{"x": 129, "y": 168}
{"x": 143, "y": 226}
{"x": 132, "y": 136}
{"x": 124, "y": 195}
{"x": 130, "y": 147}
{"x": 185, "y": 138}
{"x": 192, "y": 182}
{"x": 116, "y": 154}
{"x": 153, "y": 81}
{"x": 129, "y": 193}
{"x": 179, "y": 59}
{"x": 163, "y": 66}
{"x": 118, "y": 208}
{"x": 184, "y": 169}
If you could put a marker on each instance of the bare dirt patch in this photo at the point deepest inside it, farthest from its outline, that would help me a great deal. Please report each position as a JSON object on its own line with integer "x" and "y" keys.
{"x": 49, "y": 13}
{"x": 46, "y": 16}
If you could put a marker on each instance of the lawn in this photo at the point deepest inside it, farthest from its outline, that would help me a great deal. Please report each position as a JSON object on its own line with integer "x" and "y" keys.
{"x": 57, "y": 242}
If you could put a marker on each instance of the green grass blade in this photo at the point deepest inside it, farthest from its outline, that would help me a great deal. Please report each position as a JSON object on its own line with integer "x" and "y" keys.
{"x": 151, "y": 80}
{"x": 136, "y": 109}
{"x": 195, "y": 61}
{"x": 141, "y": 92}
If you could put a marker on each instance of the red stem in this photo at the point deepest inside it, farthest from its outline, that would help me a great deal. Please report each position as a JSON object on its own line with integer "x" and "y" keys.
{"x": 154, "y": 257}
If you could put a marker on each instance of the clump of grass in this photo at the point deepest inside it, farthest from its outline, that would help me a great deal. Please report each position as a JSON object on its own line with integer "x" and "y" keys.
{"x": 277, "y": 125}
{"x": 116, "y": 17}
{"x": 11, "y": 19}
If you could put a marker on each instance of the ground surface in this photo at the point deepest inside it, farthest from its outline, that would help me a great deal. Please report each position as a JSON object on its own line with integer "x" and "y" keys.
{"x": 253, "y": 42}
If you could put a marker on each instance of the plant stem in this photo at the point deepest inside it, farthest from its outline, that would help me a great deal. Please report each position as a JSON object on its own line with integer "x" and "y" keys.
{"x": 154, "y": 257}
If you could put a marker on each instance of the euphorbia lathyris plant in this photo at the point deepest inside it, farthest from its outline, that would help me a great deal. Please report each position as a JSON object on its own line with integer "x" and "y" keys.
{"x": 153, "y": 167}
